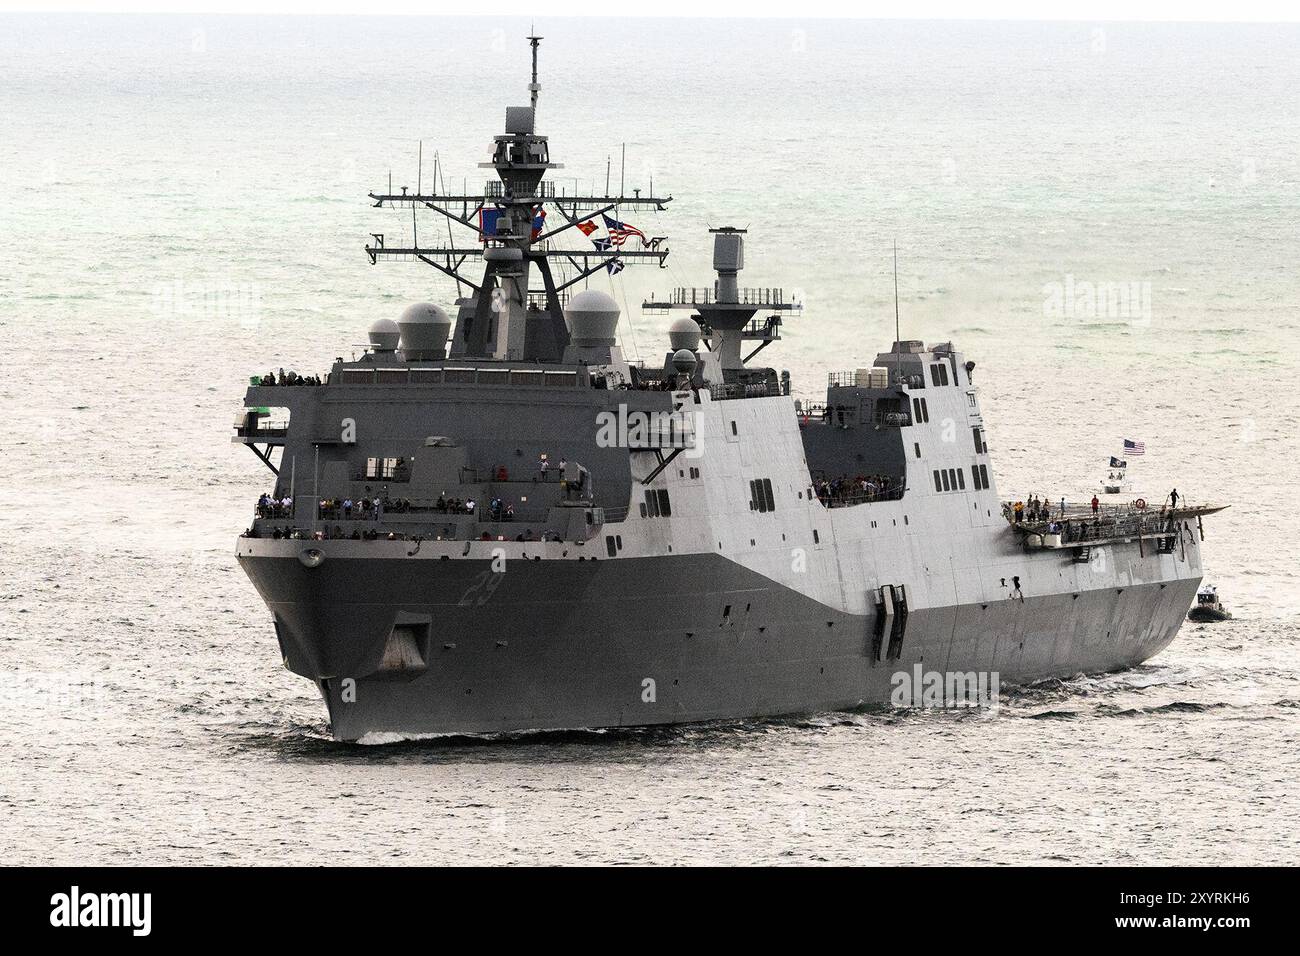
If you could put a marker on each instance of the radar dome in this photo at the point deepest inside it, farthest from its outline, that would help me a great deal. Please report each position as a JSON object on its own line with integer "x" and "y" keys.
{"x": 593, "y": 318}
{"x": 684, "y": 333}
{"x": 424, "y": 329}
{"x": 684, "y": 360}
{"x": 384, "y": 335}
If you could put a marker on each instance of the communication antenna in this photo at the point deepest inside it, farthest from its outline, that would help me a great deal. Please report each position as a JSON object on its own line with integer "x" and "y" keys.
{"x": 534, "y": 86}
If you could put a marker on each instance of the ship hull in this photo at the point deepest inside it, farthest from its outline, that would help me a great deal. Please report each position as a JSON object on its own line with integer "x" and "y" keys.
{"x": 547, "y": 645}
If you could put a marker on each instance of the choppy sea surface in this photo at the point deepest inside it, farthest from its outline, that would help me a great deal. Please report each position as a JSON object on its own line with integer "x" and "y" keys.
{"x": 183, "y": 205}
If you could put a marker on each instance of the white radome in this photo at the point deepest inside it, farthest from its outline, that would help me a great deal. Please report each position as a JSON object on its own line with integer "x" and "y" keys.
{"x": 684, "y": 333}
{"x": 593, "y": 318}
{"x": 384, "y": 334}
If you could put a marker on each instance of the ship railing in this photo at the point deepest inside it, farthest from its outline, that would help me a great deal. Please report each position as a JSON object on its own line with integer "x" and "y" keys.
{"x": 270, "y": 381}
{"x": 406, "y": 512}
{"x": 722, "y": 391}
{"x": 1082, "y": 525}
{"x": 519, "y": 188}
{"x": 399, "y": 476}
{"x": 687, "y": 295}
{"x": 460, "y": 375}
{"x": 861, "y": 497}
{"x": 538, "y": 300}
{"x": 470, "y": 475}
{"x": 270, "y": 431}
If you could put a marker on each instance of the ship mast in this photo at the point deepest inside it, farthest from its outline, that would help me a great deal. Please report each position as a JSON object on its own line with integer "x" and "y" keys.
{"x": 534, "y": 87}
{"x": 506, "y": 317}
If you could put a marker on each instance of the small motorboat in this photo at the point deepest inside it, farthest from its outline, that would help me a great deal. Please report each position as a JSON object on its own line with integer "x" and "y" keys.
{"x": 1208, "y": 608}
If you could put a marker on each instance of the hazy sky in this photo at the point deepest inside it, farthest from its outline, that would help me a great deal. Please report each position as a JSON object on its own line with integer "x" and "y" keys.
{"x": 1091, "y": 10}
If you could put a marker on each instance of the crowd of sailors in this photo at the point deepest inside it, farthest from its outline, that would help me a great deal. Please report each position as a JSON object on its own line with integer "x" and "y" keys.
{"x": 338, "y": 533}
{"x": 289, "y": 378}
{"x": 498, "y": 509}
{"x": 1093, "y": 522}
{"x": 272, "y": 507}
{"x": 846, "y": 490}
{"x": 374, "y": 508}
{"x": 371, "y": 509}
{"x": 1035, "y": 509}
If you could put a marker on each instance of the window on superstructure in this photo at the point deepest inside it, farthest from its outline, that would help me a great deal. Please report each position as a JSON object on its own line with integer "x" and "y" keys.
{"x": 961, "y": 479}
{"x": 938, "y": 483}
{"x": 984, "y": 475}
{"x": 665, "y": 506}
{"x": 651, "y": 506}
{"x": 947, "y": 486}
{"x": 767, "y": 494}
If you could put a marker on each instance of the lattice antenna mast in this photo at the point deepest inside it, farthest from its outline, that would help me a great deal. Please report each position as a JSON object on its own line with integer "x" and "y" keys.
{"x": 513, "y": 236}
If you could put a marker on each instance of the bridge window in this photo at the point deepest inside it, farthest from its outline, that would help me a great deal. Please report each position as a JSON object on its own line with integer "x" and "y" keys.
{"x": 938, "y": 484}
{"x": 977, "y": 434}
{"x": 939, "y": 373}
{"x": 377, "y": 468}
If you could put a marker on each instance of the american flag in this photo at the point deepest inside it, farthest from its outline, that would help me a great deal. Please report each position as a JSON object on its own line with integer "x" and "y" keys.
{"x": 1134, "y": 447}
{"x": 620, "y": 232}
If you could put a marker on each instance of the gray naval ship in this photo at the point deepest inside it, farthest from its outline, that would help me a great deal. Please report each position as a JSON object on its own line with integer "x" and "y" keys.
{"x": 508, "y": 526}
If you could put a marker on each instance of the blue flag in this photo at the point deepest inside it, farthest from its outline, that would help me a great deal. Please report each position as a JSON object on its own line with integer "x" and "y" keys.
{"x": 614, "y": 266}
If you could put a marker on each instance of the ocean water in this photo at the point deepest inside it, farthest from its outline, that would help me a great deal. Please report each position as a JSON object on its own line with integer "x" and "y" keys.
{"x": 183, "y": 205}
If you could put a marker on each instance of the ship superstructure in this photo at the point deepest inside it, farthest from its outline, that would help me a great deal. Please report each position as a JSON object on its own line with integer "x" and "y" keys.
{"x": 500, "y": 523}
